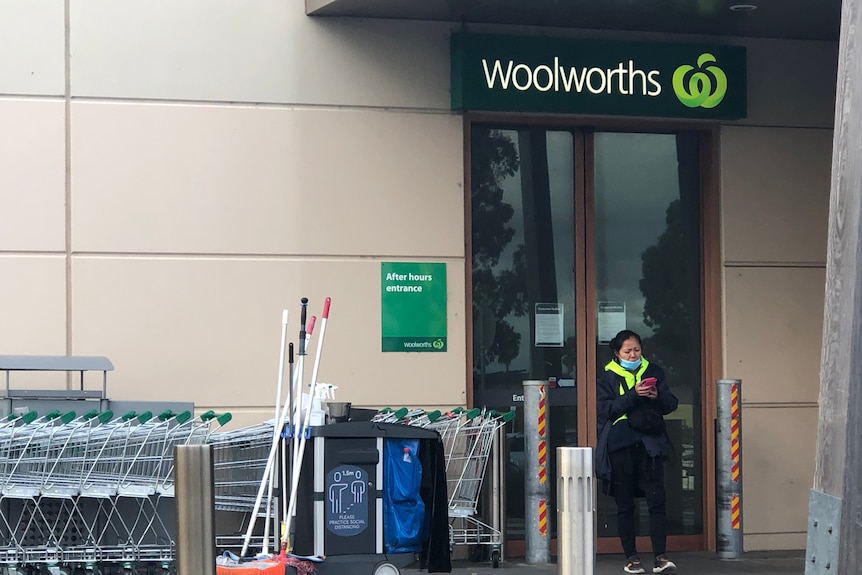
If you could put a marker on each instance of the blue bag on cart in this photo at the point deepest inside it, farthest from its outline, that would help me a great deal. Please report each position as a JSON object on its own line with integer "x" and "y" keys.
{"x": 403, "y": 508}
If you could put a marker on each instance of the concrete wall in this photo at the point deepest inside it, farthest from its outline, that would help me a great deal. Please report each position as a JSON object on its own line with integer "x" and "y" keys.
{"x": 775, "y": 171}
{"x": 224, "y": 160}
{"x": 174, "y": 174}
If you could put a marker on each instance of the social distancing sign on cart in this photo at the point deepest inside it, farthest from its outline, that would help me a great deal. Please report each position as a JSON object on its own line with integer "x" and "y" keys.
{"x": 413, "y": 302}
{"x": 347, "y": 501}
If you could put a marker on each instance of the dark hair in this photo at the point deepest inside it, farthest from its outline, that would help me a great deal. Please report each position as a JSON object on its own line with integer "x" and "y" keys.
{"x": 617, "y": 343}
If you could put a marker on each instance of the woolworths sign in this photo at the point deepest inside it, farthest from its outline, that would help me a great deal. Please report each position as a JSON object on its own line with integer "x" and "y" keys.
{"x": 521, "y": 74}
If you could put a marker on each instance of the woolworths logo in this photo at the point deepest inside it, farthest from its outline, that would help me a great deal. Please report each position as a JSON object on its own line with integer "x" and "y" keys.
{"x": 626, "y": 78}
{"x": 703, "y": 87}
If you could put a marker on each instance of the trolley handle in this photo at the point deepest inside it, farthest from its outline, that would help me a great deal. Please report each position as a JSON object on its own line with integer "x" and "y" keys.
{"x": 28, "y": 417}
{"x": 68, "y": 416}
{"x": 207, "y": 415}
{"x": 145, "y": 417}
{"x": 53, "y": 414}
{"x": 129, "y": 415}
{"x": 105, "y": 416}
{"x": 224, "y": 418}
{"x": 508, "y": 416}
{"x": 165, "y": 415}
{"x": 183, "y": 417}
{"x": 90, "y": 414}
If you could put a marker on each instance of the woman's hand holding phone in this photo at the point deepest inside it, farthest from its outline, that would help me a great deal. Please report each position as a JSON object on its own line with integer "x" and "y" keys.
{"x": 646, "y": 388}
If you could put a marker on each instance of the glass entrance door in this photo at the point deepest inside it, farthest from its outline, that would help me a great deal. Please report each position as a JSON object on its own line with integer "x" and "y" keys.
{"x": 575, "y": 234}
{"x": 646, "y": 262}
{"x": 525, "y": 301}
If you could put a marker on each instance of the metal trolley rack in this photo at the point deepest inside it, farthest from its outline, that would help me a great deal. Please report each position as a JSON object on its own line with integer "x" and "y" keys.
{"x": 90, "y": 492}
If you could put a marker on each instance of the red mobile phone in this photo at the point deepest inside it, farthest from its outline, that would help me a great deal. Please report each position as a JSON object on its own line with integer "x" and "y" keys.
{"x": 649, "y": 382}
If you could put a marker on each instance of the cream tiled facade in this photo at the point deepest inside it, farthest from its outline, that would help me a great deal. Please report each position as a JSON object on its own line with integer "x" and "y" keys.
{"x": 175, "y": 173}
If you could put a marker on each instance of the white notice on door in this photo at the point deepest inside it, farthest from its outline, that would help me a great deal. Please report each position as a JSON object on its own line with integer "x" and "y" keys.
{"x": 549, "y": 324}
{"x": 612, "y": 319}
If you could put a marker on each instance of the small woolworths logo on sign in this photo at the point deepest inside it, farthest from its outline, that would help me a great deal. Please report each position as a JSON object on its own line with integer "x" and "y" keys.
{"x": 701, "y": 87}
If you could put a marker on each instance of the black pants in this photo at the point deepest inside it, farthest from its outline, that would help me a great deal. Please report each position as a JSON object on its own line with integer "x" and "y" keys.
{"x": 635, "y": 471}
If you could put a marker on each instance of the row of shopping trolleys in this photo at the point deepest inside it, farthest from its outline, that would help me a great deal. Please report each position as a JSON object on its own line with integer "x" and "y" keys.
{"x": 94, "y": 491}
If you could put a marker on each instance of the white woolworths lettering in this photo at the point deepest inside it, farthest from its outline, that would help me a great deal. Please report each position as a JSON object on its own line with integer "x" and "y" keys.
{"x": 526, "y": 69}
{"x": 596, "y": 80}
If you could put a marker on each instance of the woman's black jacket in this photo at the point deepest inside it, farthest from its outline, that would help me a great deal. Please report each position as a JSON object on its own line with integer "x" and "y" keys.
{"x": 611, "y": 406}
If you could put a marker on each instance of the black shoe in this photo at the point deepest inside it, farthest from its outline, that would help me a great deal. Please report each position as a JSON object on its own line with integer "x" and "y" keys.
{"x": 633, "y": 565}
{"x": 663, "y": 564}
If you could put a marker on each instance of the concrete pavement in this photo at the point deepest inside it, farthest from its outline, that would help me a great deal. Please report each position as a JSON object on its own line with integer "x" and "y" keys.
{"x": 699, "y": 563}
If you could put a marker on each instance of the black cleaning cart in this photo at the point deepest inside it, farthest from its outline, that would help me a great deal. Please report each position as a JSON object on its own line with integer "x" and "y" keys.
{"x": 340, "y": 504}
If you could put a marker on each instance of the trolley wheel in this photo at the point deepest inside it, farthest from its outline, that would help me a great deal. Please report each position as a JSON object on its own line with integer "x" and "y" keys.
{"x": 495, "y": 558}
{"x": 386, "y": 568}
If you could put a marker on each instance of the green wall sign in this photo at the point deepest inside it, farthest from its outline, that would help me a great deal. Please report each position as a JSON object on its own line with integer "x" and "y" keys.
{"x": 413, "y": 303}
{"x": 597, "y": 77}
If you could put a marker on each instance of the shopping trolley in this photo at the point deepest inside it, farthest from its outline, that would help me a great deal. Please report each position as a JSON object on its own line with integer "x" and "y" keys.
{"x": 239, "y": 461}
{"x": 468, "y": 438}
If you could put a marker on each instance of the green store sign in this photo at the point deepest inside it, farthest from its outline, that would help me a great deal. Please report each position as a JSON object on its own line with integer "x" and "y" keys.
{"x": 413, "y": 305}
{"x": 597, "y": 77}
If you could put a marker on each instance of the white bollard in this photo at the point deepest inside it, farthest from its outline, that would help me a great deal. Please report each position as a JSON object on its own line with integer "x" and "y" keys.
{"x": 576, "y": 552}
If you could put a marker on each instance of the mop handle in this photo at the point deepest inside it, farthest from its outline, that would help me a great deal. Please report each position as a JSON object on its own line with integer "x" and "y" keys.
{"x": 263, "y": 484}
{"x": 303, "y": 311}
{"x": 276, "y": 428}
{"x": 306, "y": 421}
{"x": 297, "y": 387}
{"x": 314, "y": 371}
{"x": 290, "y": 441}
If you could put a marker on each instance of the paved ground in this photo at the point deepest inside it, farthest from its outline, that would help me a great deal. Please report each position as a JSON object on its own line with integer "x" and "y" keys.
{"x": 701, "y": 563}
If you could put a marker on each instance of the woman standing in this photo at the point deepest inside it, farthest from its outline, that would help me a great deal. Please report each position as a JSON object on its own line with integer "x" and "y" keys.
{"x": 632, "y": 397}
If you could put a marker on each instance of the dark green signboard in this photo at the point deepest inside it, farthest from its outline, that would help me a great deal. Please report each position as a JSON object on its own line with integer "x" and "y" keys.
{"x": 597, "y": 77}
{"x": 413, "y": 298}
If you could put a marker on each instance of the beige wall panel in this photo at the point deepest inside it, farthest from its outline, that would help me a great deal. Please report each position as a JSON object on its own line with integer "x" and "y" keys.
{"x": 773, "y": 328}
{"x": 779, "y": 542}
{"x": 778, "y": 505}
{"x": 221, "y": 179}
{"x": 208, "y": 330}
{"x": 32, "y": 175}
{"x": 775, "y": 194}
{"x": 254, "y": 51}
{"x": 33, "y": 314}
{"x": 791, "y": 82}
{"x": 32, "y": 40}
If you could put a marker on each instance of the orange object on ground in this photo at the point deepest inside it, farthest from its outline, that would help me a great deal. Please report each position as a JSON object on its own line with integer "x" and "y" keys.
{"x": 252, "y": 568}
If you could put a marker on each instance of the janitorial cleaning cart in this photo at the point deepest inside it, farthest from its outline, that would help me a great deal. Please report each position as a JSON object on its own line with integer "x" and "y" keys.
{"x": 372, "y": 498}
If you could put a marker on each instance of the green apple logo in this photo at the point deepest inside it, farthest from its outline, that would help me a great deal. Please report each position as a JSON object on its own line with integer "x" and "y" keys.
{"x": 438, "y": 344}
{"x": 706, "y": 86}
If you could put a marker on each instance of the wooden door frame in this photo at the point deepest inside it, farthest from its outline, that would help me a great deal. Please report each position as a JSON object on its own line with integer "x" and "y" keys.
{"x": 710, "y": 273}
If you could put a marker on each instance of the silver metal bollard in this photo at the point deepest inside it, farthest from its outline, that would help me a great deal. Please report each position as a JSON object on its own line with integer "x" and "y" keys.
{"x": 728, "y": 461}
{"x": 195, "y": 501}
{"x": 576, "y": 551}
{"x": 537, "y": 487}
{"x": 498, "y": 495}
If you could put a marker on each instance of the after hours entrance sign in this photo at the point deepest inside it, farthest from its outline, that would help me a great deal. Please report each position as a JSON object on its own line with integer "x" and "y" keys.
{"x": 413, "y": 302}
